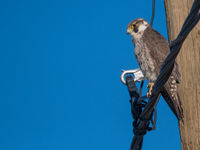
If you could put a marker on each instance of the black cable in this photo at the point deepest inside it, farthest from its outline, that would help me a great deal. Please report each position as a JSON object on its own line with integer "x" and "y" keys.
{"x": 137, "y": 105}
{"x": 153, "y": 12}
{"x": 141, "y": 87}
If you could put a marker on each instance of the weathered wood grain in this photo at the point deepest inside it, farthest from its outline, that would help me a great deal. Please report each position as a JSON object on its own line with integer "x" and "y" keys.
{"x": 189, "y": 63}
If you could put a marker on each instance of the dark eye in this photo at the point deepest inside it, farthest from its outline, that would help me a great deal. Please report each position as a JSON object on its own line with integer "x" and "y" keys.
{"x": 133, "y": 25}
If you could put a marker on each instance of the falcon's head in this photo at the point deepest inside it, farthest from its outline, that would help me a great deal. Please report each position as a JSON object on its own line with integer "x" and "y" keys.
{"x": 136, "y": 28}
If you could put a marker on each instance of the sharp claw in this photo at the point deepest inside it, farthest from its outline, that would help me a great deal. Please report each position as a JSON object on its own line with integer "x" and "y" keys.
{"x": 150, "y": 86}
{"x": 148, "y": 93}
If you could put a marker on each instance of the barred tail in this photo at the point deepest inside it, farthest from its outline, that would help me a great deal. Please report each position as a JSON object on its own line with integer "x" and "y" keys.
{"x": 169, "y": 93}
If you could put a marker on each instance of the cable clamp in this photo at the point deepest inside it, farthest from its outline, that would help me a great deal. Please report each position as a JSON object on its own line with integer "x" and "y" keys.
{"x": 136, "y": 72}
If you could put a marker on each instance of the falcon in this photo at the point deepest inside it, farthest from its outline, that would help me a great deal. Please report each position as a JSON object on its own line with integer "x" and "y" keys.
{"x": 151, "y": 49}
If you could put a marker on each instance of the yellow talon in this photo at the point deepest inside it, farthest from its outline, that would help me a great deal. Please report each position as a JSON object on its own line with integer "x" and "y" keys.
{"x": 150, "y": 86}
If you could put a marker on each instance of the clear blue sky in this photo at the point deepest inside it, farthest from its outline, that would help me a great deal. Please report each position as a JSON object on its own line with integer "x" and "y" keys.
{"x": 60, "y": 83}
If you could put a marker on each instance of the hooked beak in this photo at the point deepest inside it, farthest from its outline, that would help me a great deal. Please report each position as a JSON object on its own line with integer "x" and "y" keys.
{"x": 129, "y": 30}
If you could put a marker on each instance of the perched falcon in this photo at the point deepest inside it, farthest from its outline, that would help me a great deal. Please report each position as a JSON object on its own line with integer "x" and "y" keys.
{"x": 151, "y": 49}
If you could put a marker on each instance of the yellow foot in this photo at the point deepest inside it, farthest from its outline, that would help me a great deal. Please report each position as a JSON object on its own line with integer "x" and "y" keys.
{"x": 150, "y": 86}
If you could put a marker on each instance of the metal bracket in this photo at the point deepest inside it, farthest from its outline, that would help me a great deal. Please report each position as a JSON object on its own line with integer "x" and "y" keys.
{"x": 138, "y": 75}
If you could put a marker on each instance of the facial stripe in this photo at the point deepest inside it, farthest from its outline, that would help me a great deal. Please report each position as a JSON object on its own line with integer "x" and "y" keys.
{"x": 135, "y": 29}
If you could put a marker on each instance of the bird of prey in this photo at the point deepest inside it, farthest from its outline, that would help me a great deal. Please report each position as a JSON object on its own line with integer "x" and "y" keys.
{"x": 151, "y": 49}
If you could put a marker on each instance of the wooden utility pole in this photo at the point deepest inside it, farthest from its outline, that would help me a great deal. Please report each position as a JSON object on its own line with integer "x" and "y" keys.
{"x": 189, "y": 64}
